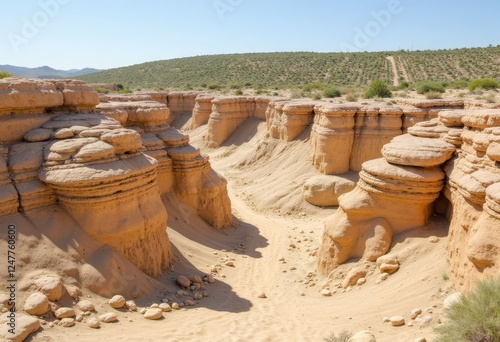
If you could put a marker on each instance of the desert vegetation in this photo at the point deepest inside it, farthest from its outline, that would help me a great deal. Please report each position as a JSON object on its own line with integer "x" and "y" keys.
{"x": 475, "y": 317}
{"x": 311, "y": 72}
{"x": 4, "y": 74}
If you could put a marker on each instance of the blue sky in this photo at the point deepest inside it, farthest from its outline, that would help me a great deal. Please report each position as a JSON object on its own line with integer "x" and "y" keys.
{"x": 67, "y": 34}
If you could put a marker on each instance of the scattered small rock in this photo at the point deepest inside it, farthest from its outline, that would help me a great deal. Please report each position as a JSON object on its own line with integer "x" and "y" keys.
{"x": 183, "y": 282}
{"x": 67, "y": 322}
{"x": 189, "y": 302}
{"x": 51, "y": 286}
{"x": 195, "y": 279}
{"x": 175, "y": 306}
{"x": 229, "y": 263}
{"x": 154, "y": 306}
{"x": 433, "y": 239}
{"x": 262, "y": 295}
{"x": 73, "y": 291}
{"x": 108, "y": 317}
{"x": 424, "y": 321}
{"x": 415, "y": 313}
{"x": 210, "y": 279}
{"x": 388, "y": 263}
{"x": 397, "y": 321}
{"x": 130, "y": 305}
{"x": 361, "y": 281}
{"x": 64, "y": 313}
{"x": 117, "y": 302}
{"x": 153, "y": 314}
{"x": 326, "y": 293}
{"x": 197, "y": 296}
{"x": 94, "y": 323}
{"x": 386, "y": 319}
{"x": 420, "y": 339}
{"x": 353, "y": 276}
{"x": 165, "y": 307}
{"x": 37, "y": 304}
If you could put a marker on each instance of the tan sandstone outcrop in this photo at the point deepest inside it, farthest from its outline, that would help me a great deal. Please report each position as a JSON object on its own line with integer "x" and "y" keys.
{"x": 474, "y": 191}
{"x": 397, "y": 193}
{"x": 88, "y": 174}
{"x": 229, "y": 112}
{"x": 182, "y": 102}
{"x": 181, "y": 168}
{"x": 201, "y": 111}
{"x": 288, "y": 119}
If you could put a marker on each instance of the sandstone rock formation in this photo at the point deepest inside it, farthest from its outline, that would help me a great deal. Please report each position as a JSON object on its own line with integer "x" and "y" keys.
{"x": 459, "y": 148}
{"x": 288, "y": 119}
{"x": 201, "y": 111}
{"x": 181, "y": 168}
{"x": 181, "y": 102}
{"x": 229, "y": 112}
{"x": 324, "y": 191}
{"x": 107, "y": 171}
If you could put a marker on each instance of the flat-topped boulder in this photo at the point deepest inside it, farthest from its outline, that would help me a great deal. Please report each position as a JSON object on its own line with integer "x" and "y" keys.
{"x": 429, "y": 129}
{"x": 482, "y": 119}
{"x": 452, "y": 118}
{"x": 416, "y": 151}
{"x": 20, "y": 95}
{"x": 174, "y": 138}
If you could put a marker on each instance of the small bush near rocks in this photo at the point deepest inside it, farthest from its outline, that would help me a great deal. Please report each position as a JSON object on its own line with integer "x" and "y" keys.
{"x": 425, "y": 87}
{"x": 101, "y": 90}
{"x": 475, "y": 317}
{"x": 351, "y": 97}
{"x": 484, "y": 83}
{"x": 4, "y": 74}
{"x": 344, "y": 336}
{"x": 432, "y": 95}
{"x": 378, "y": 88}
{"x": 331, "y": 92}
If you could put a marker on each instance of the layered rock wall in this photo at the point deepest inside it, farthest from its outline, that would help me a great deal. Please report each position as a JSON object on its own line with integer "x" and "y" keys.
{"x": 459, "y": 148}
{"x": 181, "y": 168}
{"x": 181, "y": 102}
{"x": 229, "y": 112}
{"x": 107, "y": 171}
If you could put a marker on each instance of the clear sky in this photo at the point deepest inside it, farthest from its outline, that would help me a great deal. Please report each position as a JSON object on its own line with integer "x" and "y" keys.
{"x": 66, "y": 34}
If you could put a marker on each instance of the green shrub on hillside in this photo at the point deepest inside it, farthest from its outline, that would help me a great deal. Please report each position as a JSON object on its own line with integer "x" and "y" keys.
{"x": 378, "y": 88}
{"x": 101, "y": 90}
{"x": 476, "y": 317}
{"x": 432, "y": 95}
{"x": 332, "y": 92}
{"x": 351, "y": 97}
{"x": 426, "y": 87}
{"x": 125, "y": 91}
{"x": 485, "y": 83}
{"x": 4, "y": 74}
{"x": 214, "y": 86}
{"x": 313, "y": 86}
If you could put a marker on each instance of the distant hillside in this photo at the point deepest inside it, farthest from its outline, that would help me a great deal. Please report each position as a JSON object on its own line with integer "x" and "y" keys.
{"x": 285, "y": 70}
{"x": 45, "y": 72}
